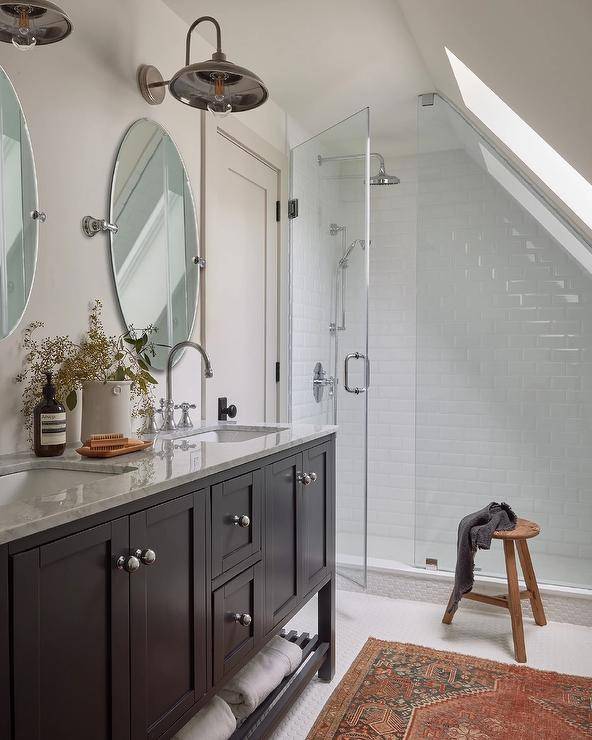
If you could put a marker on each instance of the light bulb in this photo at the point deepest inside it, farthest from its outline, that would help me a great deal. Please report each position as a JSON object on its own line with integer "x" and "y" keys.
{"x": 23, "y": 40}
{"x": 220, "y": 111}
{"x": 24, "y": 44}
{"x": 220, "y": 106}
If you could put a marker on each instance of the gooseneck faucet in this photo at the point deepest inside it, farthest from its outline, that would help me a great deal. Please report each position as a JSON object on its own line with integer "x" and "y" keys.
{"x": 168, "y": 424}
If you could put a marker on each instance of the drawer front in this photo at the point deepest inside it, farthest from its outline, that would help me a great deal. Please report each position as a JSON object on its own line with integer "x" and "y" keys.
{"x": 236, "y": 521}
{"x": 237, "y": 619}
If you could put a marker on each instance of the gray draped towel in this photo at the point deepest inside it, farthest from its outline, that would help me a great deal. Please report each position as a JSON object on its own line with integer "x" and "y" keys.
{"x": 475, "y": 532}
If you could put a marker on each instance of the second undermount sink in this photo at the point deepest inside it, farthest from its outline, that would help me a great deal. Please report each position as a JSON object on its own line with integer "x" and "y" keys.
{"x": 235, "y": 435}
{"x": 40, "y": 481}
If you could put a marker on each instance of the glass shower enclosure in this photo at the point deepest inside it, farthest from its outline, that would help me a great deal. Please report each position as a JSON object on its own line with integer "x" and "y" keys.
{"x": 329, "y": 264}
{"x": 503, "y": 355}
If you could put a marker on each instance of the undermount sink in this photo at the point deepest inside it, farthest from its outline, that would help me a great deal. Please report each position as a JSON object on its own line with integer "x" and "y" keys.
{"x": 234, "y": 435}
{"x": 45, "y": 482}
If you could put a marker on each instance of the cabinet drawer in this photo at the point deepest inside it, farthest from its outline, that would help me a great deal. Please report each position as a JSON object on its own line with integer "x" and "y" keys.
{"x": 236, "y": 521}
{"x": 237, "y": 619}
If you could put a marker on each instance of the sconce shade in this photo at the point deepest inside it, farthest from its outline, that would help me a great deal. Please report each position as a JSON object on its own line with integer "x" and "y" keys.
{"x": 33, "y": 23}
{"x": 195, "y": 85}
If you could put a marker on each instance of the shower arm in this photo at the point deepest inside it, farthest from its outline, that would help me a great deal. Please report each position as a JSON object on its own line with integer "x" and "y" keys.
{"x": 344, "y": 157}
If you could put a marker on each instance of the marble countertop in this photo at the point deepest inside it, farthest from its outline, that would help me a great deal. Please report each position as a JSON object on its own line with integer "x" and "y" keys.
{"x": 175, "y": 459}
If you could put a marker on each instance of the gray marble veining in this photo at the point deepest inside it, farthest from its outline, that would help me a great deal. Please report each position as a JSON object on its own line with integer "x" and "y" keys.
{"x": 176, "y": 458}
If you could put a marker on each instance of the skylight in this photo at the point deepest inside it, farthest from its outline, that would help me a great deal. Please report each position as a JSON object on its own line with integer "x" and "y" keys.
{"x": 573, "y": 189}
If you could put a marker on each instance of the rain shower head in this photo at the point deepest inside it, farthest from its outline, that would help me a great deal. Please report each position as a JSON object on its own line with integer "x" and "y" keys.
{"x": 381, "y": 178}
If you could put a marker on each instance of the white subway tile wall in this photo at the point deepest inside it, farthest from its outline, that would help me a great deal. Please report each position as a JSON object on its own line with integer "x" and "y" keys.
{"x": 391, "y": 423}
{"x": 504, "y": 360}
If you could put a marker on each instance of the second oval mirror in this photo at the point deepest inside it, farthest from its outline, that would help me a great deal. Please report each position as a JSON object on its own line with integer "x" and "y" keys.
{"x": 155, "y": 250}
{"x": 18, "y": 210}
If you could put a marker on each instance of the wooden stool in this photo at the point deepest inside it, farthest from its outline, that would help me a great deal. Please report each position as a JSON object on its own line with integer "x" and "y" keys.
{"x": 524, "y": 531}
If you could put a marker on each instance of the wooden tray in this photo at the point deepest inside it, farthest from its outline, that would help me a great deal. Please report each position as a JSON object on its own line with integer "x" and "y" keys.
{"x": 135, "y": 445}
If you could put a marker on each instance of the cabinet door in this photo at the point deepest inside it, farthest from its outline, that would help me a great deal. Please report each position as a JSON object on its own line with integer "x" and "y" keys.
{"x": 168, "y": 614}
{"x": 71, "y": 637}
{"x": 317, "y": 516}
{"x": 282, "y": 535}
{"x": 237, "y": 619}
{"x": 236, "y": 521}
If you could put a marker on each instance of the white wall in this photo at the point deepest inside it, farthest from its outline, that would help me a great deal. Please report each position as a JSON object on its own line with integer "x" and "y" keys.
{"x": 79, "y": 96}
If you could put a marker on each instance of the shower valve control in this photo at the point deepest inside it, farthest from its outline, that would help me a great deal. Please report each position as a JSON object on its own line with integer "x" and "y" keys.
{"x": 320, "y": 381}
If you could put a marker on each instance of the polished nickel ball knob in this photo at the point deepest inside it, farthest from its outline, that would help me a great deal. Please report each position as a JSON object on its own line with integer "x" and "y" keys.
{"x": 244, "y": 619}
{"x": 147, "y": 556}
{"x": 129, "y": 563}
{"x": 241, "y": 521}
{"x": 305, "y": 479}
{"x": 313, "y": 477}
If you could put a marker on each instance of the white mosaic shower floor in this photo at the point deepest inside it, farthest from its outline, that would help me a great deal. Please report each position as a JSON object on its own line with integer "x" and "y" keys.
{"x": 558, "y": 647}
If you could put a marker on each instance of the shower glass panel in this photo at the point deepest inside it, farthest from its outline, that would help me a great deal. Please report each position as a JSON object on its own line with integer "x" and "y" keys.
{"x": 329, "y": 313}
{"x": 504, "y": 354}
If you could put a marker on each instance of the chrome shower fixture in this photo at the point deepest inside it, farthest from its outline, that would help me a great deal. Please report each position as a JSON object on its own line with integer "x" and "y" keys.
{"x": 343, "y": 261}
{"x": 381, "y": 177}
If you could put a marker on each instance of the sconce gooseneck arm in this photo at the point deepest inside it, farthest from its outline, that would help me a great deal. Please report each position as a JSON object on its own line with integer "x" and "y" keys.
{"x": 218, "y": 38}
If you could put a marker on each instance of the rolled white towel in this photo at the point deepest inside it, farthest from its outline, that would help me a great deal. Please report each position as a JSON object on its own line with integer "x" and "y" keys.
{"x": 214, "y": 722}
{"x": 253, "y": 683}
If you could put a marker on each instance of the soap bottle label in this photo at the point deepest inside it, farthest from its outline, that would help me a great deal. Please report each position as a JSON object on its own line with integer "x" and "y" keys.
{"x": 53, "y": 429}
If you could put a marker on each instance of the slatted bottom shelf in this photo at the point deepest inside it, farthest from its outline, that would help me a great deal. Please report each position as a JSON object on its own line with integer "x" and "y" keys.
{"x": 268, "y": 714}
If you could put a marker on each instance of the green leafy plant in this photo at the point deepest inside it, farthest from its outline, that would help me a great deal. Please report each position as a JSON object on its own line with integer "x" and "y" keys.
{"x": 98, "y": 357}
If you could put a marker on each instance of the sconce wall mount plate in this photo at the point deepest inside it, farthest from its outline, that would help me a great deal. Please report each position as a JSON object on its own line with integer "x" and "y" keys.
{"x": 151, "y": 83}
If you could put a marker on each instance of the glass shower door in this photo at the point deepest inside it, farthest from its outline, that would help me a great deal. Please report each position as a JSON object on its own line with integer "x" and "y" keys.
{"x": 329, "y": 367}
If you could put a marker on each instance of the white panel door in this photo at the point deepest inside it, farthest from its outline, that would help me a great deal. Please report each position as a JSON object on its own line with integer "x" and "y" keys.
{"x": 241, "y": 284}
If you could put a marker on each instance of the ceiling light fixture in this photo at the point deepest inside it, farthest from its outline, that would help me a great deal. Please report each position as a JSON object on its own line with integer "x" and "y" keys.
{"x": 217, "y": 85}
{"x": 33, "y": 23}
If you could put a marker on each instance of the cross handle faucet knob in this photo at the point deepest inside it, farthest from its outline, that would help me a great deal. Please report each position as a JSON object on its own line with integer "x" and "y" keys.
{"x": 185, "y": 421}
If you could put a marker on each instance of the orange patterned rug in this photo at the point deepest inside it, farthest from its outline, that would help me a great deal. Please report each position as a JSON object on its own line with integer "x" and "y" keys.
{"x": 396, "y": 690}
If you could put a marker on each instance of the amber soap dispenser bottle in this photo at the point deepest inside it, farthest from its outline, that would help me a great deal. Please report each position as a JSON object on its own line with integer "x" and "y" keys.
{"x": 49, "y": 423}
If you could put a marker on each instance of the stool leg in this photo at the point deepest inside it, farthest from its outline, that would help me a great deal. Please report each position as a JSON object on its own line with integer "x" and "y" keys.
{"x": 514, "y": 602}
{"x": 447, "y": 618}
{"x": 531, "y": 583}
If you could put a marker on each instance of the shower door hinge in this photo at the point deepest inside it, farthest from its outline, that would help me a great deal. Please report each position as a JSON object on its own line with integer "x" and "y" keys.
{"x": 278, "y": 211}
{"x": 277, "y": 372}
{"x": 293, "y": 208}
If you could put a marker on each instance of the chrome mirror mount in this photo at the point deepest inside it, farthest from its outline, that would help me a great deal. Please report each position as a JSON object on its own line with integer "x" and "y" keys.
{"x": 92, "y": 226}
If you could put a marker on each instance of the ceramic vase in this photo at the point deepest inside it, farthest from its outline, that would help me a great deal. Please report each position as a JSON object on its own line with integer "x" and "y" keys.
{"x": 74, "y": 422}
{"x": 106, "y": 408}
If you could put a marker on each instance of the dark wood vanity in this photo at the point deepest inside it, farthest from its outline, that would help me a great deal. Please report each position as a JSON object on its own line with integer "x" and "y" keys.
{"x": 99, "y": 640}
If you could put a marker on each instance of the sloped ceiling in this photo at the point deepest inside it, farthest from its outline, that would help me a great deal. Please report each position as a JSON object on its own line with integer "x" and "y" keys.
{"x": 535, "y": 54}
{"x": 325, "y": 59}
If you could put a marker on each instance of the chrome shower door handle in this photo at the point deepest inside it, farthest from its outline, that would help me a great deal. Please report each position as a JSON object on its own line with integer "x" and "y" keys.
{"x": 346, "y": 385}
